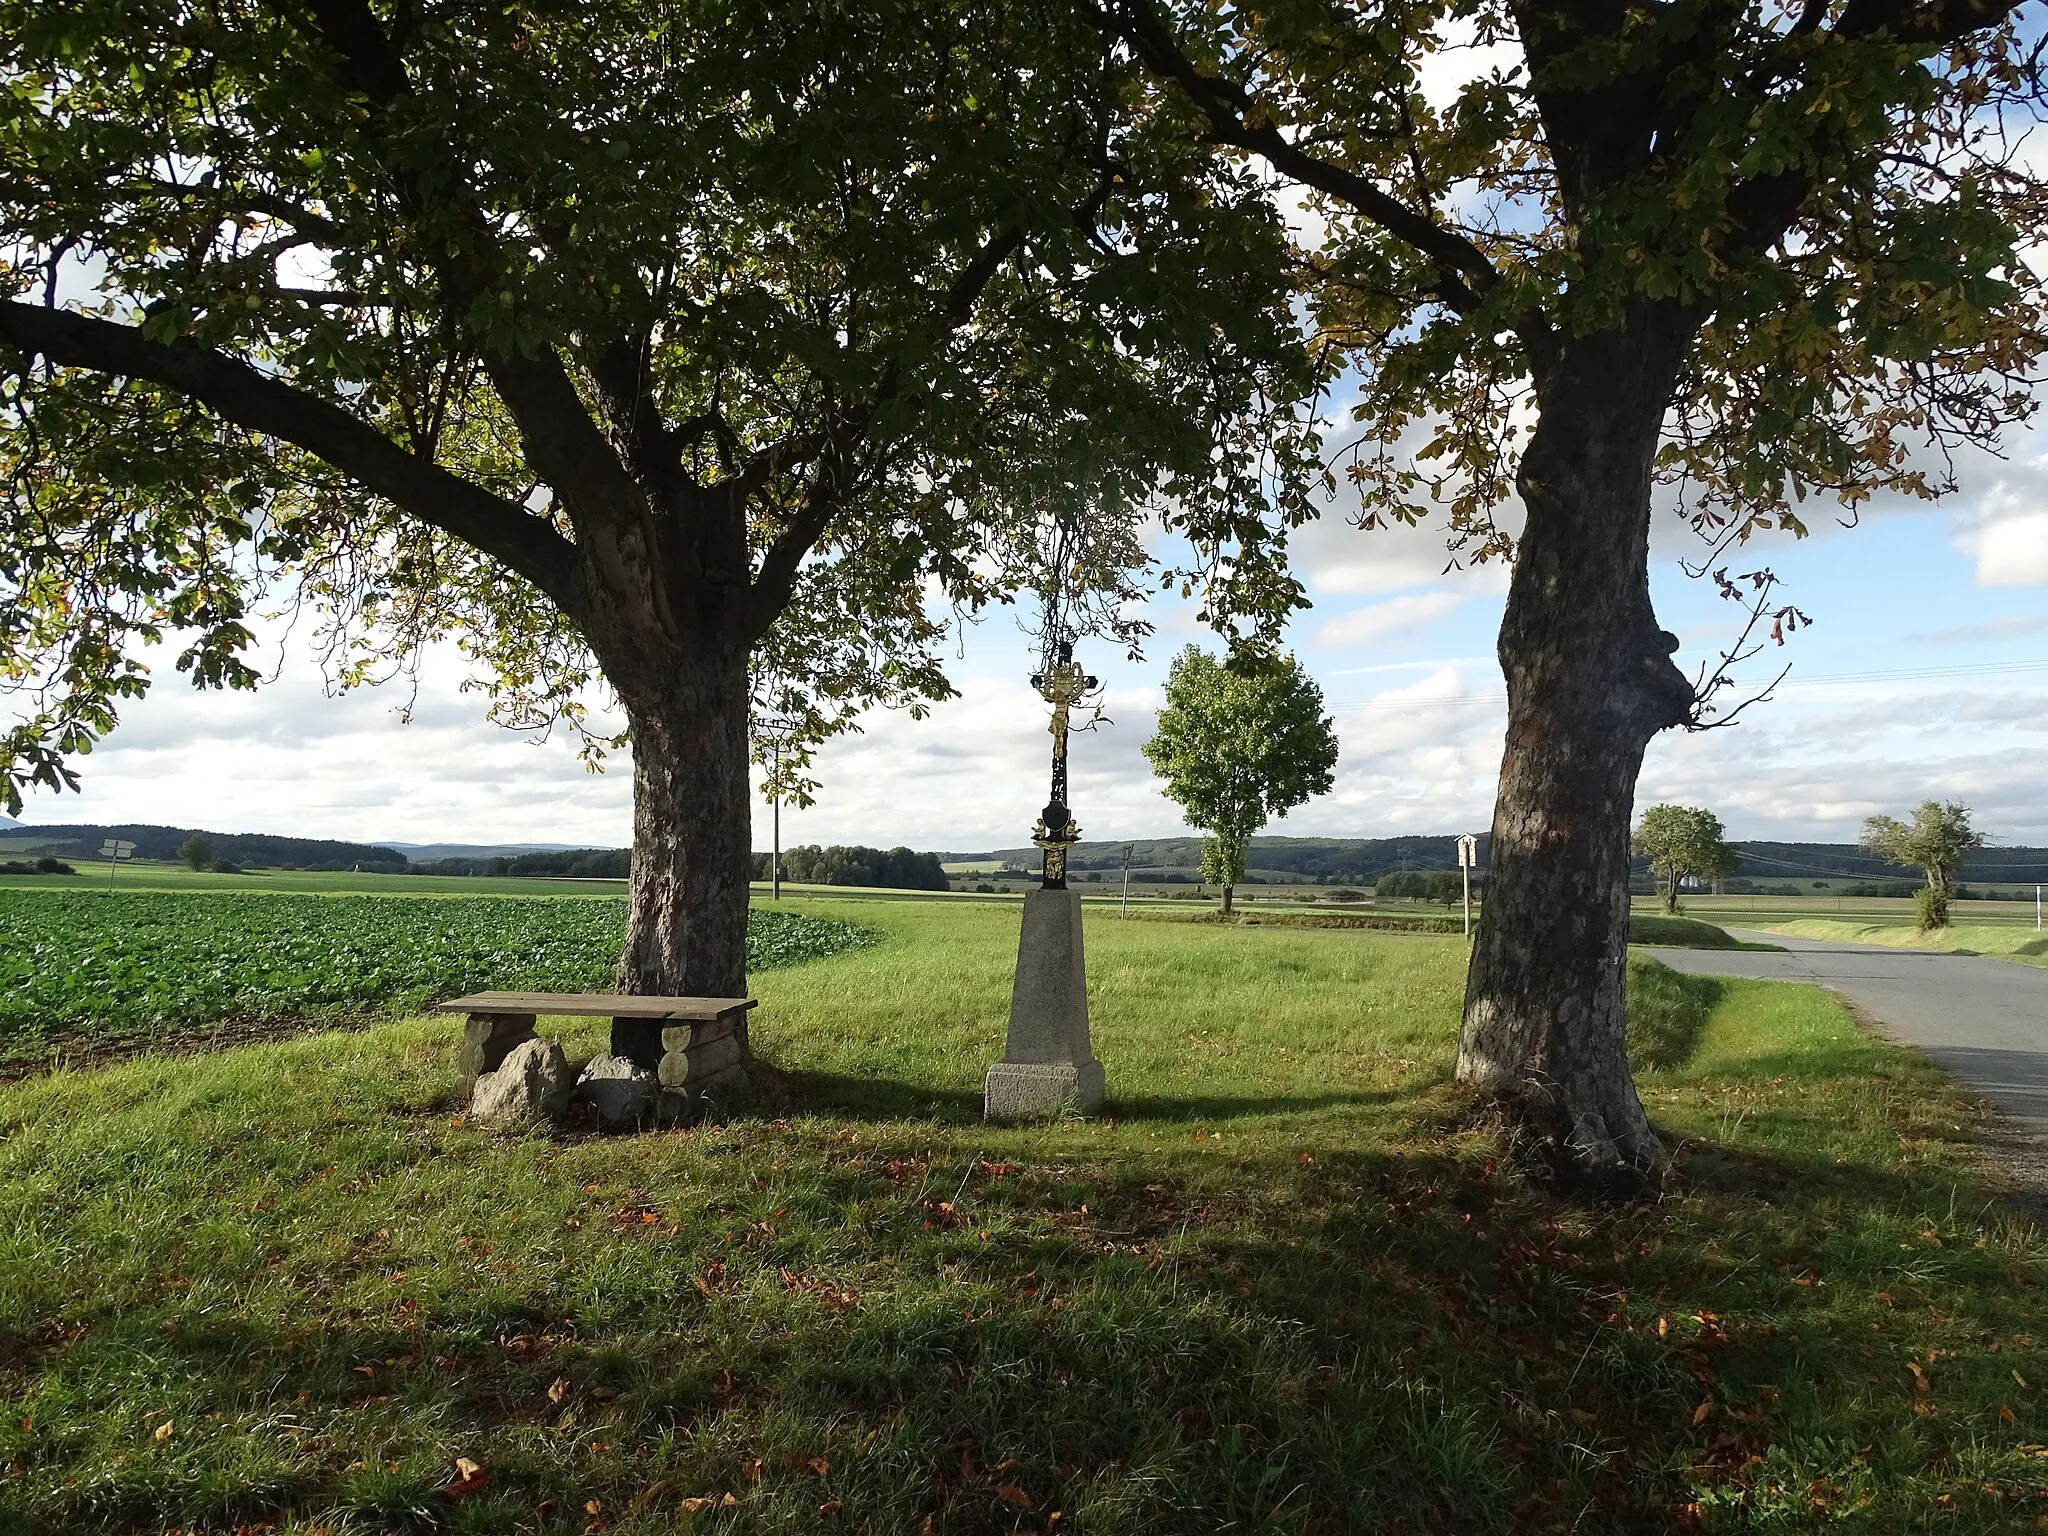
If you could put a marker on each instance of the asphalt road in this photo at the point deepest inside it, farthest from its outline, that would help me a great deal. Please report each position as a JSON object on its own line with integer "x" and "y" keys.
{"x": 1986, "y": 1021}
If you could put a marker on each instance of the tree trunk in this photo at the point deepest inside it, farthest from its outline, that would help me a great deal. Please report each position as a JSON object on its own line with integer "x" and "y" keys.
{"x": 1226, "y": 899}
{"x": 686, "y": 926}
{"x": 1671, "y": 895}
{"x": 1589, "y": 681}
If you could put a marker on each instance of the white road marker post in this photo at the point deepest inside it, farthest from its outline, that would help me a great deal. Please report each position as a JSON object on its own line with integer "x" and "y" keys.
{"x": 1468, "y": 854}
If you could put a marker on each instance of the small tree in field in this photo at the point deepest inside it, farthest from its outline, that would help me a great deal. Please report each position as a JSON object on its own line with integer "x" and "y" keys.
{"x": 1684, "y": 842}
{"x": 196, "y": 851}
{"x": 1238, "y": 743}
{"x": 1935, "y": 841}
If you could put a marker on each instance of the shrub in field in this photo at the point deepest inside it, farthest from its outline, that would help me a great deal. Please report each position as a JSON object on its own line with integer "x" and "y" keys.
{"x": 1930, "y": 908}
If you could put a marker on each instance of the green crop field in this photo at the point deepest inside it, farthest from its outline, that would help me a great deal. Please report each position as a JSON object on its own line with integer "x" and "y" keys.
{"x": 88, "y": 970}
{"x": 1286, "y": 1282}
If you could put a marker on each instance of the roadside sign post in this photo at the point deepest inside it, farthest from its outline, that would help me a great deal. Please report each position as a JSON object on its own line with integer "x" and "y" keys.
{"x": 2037, "y": 909}
{"x": 114, "y": 850}
{"x": 1123, "y": 908}
{"x": 1468, "y": 855}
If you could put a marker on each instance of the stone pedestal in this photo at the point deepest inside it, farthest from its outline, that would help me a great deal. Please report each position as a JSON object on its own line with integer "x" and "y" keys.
{"x": 1047, "y": 1063}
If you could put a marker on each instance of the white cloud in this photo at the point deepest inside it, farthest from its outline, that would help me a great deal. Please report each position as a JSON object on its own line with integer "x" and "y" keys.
{"x": 2011, "y": 547}
{"x": 2005, "y": 527}
{"x": 1362, "y": 626}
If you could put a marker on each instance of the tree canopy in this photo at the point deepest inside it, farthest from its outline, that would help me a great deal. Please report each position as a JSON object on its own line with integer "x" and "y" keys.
{"x": 487, "y": 324}
{"x": 1238, "y": 743}
{"x": 1834, "y": 197}
{"x": 1684, "y": 842}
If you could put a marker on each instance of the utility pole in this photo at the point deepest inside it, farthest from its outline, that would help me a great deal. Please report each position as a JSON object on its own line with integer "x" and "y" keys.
{"x": 1124, "y": 907}
{"x": 775, "y": 730}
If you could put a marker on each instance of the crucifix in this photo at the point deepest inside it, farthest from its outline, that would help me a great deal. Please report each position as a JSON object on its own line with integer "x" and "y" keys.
{"x": 1063, "y": 685}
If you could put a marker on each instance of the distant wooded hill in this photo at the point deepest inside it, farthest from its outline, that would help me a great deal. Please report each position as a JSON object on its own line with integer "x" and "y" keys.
{"x": 894, "y": 868}
{"x": 257, "y": 849}
{"x": 1323, "y": 860}
{"x": 1361, "y": 861}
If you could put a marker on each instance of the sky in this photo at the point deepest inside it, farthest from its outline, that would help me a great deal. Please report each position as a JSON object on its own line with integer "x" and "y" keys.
{"x": 1924, "y": 674}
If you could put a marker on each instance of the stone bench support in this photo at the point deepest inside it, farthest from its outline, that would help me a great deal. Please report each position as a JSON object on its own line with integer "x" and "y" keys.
{"x": 694, "y": 1045}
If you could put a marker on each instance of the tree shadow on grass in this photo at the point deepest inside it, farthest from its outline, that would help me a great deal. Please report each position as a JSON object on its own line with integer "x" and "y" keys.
{"x": 1365, "y": 1341}
{"x": 793, "y": 1090}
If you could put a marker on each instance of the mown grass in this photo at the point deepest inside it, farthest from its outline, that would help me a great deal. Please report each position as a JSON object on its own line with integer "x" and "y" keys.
{"x": 2001, "y": 941}
{"x": 1279, "y": 1285}
{"x": 1683, "y": 933}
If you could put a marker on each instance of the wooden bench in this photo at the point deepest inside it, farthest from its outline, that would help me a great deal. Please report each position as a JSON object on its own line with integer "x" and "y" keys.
{"x": 687, "y": 1041}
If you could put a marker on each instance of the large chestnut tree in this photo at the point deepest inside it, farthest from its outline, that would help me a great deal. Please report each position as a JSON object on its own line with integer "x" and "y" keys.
{"x": 1754, "y": 249}
{"x": 657, "y": 348}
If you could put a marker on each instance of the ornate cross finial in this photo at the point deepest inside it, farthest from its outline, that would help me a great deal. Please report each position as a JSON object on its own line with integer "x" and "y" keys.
{"x": 1062, "y": 685}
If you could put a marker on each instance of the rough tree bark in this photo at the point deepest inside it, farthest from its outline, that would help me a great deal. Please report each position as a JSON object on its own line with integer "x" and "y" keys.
{"x": 1590, "y": 680}
{"x": 686, "y": 928}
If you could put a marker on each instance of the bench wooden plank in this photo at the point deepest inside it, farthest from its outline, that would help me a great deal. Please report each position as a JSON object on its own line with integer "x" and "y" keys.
{"x": 597, "y": 1005}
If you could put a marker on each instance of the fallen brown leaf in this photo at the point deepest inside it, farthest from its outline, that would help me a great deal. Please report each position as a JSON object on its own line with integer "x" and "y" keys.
{"x": 469, "y": 1477}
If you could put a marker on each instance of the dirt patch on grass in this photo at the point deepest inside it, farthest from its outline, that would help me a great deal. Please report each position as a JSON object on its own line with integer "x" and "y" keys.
{"x": 80, "y": 1052}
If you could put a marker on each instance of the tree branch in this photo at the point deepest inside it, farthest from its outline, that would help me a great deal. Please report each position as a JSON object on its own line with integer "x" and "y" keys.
{"x": 563, "y": 442}
{"x": 776, "y": 580}
{"x": 1765, "y": 207}
{"x": 1932, "y": 26}
{"x": 236, "y": 392}
{"x": 619, "y": 370}
{"x": 1464, "y": 273}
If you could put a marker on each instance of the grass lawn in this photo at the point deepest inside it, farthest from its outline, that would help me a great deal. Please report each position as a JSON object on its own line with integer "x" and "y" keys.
{"x": 2003, "y": 941}
{"x": 286, "y": 1288}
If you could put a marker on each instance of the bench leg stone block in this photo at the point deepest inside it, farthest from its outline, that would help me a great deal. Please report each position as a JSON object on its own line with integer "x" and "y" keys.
{"x": 487, "y": 1039}
{"x": 686, "y": 1068}
{"x": 683, "y": 1037}
{"x": 1035, "y": 1090}
{"x": 702, "y": 1099}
